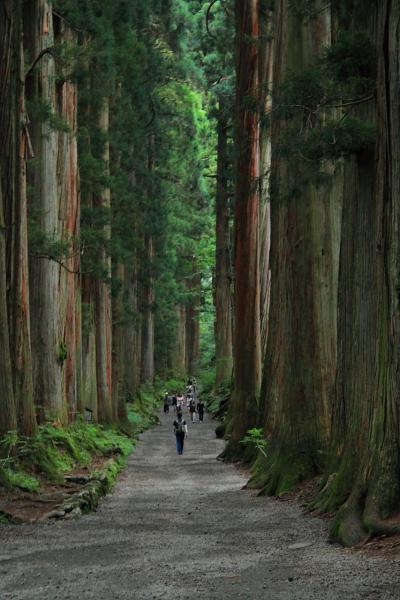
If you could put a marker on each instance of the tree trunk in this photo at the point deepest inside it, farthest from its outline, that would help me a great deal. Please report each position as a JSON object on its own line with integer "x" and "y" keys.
{"x": 223, "y": 269}
{"x": 14, "y": 227}
{"x": 363, "y": 475}
{"x": 69, "y": 218}
{"x": 118, "y": 333}
{"x": 177, "y": 358}
{"x": 301, "y": 348}
{"x": 8, "y": 415}
{"x": 20, "y": 309}
{"x": 247, "y": 347}
{"x": 89, "y": 378}
{"x": 48, "y": 342}
{"x": 266, "y": 62}
{"x": 103, "y": 313}
{"x": 192, "y": 333}
{"x": 133, "y": 332}
{"x": 148, "y": 313}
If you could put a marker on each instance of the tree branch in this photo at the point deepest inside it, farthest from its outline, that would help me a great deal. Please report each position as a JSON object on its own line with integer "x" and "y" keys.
{"x": 49, "y": 50}
{"x": 208, "y": 14}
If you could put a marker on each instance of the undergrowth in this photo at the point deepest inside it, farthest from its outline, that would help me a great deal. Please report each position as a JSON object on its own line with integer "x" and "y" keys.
{"x": 54, "y": 451}
{"x": 26, "y": 463}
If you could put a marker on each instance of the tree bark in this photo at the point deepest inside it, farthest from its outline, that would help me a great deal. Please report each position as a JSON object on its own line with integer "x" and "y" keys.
{"x": 20, "y": 309}
{"x": 148, "y": 313}
{"x": 69, "y": 223}
{"x": 192, "y": 333}
{"x": 133, "y": 332}
{"x": 103, "y": 311}
{"x": 8, "y": 415}
{"x": 223, "y": 267}
{"x": 266, "y": 62}
{"x": 363, "y": 474}
{"x": 118, "y": 333}
{"x": 14, "y": 223}
{"x": 177, "y": 356}
{"x": 247, "y": 346}
{"x": 300, "y": 361}
{"x": 47, "y": 335}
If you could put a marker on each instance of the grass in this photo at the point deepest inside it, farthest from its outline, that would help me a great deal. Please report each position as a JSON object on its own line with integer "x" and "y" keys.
{"x": 54, "y": 451}
{"x": 25, "y": 463}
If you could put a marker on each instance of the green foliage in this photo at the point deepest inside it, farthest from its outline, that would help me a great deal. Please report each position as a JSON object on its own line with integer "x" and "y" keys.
{"x": 62, "y": 352}
{"x": 254, "y": 438}
{"x": 43, "y": 245}
{"x": 40, "y": 111}
{"x": 316, "y": 110}
{"x": 54, "y": 451}
{"x": 333, "y": 140}
{"x": 303, "y": 8}
{"x": 14, "y": 477}
{"x": 351, "y": 63}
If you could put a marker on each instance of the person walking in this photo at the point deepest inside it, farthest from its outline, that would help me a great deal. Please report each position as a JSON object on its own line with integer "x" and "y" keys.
{"x": 192, "y": 409}
{"x": 174, "y": 403}
{"x": 200, "y": 410}
{"x": 180, "y": 430}
{"x": 179, "y": 402}
{"x": 166, "y": 404}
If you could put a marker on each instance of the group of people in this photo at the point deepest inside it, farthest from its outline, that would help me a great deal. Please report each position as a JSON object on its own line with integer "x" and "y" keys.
{"x": 180, "y": 402}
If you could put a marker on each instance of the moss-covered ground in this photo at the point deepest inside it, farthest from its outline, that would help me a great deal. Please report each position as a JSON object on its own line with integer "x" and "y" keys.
{"x": 28, "y": 466}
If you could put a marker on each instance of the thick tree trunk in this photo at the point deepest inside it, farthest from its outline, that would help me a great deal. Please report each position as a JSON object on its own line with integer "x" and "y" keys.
{"x": 103, "y": 314}
{"x": 301, "y": 348}
{"x": 192, "y": 333}
{"x": 364, "y": 471}
{"x": 20, "y": 309}
{"x": 223, "y": 267}
{"x": 89, "y": 378}
{"x": 118, "y": 334}
{"x": 69, "y": 218}
{"x": 8, "y": 415}
{"x": 266, "y": 57}
{"x": 148, "y": 313}
{"x": 132, "y": 342}
{"x": 177, "y": 358}
{"x": 14, "y": 228}
{"x": 48, "y": 342}
{"x": 247, "y": 347}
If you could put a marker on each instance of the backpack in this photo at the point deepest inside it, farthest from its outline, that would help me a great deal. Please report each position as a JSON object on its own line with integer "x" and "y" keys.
{"x": 180, "y": 426}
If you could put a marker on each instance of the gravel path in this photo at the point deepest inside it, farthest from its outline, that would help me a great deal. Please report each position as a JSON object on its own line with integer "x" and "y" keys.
{"x": 181, "y": 527}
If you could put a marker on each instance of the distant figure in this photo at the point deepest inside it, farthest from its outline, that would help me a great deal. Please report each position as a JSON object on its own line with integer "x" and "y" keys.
{"x": 180, "y": 430}
{"x": 179, "y": 402}
{"x": 192, "y": 409}
{"x": 174, "y": 401}
{"x": 166, "y": 404}
{"x": 200, "y": 410}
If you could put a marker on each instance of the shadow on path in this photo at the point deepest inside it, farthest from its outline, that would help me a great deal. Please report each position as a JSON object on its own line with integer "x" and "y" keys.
{"x": 181, "y": 527}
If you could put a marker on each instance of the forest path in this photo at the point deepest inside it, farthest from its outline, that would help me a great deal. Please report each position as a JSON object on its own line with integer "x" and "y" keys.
{"x": 181, "y": 527}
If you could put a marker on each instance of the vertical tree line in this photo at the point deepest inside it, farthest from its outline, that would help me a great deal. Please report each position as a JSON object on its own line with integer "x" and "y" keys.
{"x": 316, "y": 254}
{"x": 103, "y": 200}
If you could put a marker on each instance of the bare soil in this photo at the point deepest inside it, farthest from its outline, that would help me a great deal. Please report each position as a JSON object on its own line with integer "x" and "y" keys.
{"x": 181, "y": 527}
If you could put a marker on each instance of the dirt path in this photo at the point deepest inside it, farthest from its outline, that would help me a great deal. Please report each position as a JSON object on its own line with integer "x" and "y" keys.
{"x": 180, "y": 527}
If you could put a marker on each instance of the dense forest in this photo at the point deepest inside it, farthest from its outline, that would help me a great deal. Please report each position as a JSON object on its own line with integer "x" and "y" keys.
{"x": 209, "y": 188}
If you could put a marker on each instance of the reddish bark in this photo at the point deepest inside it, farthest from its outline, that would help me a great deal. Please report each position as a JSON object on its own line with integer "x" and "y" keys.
{"x": 103, "y": 311}
{"x": 247, "y": 349}
{"x": 223, "y": 267}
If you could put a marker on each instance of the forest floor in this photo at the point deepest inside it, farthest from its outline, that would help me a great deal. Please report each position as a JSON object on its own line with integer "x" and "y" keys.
{"x": 181, "y": 527}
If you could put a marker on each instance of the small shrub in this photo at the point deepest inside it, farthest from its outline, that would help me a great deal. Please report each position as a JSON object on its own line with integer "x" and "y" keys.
{"x": 255, "y": 438}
